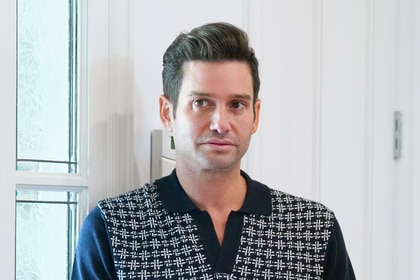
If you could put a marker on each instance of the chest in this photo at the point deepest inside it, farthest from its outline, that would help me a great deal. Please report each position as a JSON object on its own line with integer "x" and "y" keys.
{"x": 171, "y": 245}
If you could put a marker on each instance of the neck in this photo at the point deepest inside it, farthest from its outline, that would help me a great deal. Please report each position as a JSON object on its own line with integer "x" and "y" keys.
{"x": 217, "y": 192}
{"x": 220, "y": 191}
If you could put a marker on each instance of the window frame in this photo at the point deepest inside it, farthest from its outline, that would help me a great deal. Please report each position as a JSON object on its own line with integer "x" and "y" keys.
{"x": 99, "y": 79}
{"x": 77, "y": 182}
{"x": 82, "y": 203}
{"x": 8, "y": 144}
{"x": 20, "y": 180}
{"x": 69, "y": 163}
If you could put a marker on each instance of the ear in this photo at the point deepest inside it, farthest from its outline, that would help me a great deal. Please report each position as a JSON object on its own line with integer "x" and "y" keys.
{"x": 257, "y": 116}
{"x": 166, "y": 112}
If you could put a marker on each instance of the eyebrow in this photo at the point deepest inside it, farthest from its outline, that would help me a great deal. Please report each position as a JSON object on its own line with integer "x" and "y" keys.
{"x": 236, "y": 96}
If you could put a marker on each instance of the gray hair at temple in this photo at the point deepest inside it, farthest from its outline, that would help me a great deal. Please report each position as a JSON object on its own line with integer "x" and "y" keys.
{"x": 210, "y": 42}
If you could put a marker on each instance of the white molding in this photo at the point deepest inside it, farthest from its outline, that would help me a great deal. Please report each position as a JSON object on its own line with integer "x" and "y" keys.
{"x": 415, "y": 137}
{"x": 317, "y": 101}
{"x": 120, "y": 130}
{"x": 110, "y": 155}
{"x": 368, "y": 139}
{"x": 50, "y": 179}
{"x": 252, "y": 25}
{"x": 8, "y": 142}
{"x": 83, "y": 71}
{"x": 403, "y": 185}
{"x": 112, "y": 168}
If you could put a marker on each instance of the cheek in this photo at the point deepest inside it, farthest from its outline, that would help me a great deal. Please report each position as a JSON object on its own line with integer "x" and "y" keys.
{"x": 186, "y": 126}
{"x": 251, "y": 122}
{"x": 194, "y": 121}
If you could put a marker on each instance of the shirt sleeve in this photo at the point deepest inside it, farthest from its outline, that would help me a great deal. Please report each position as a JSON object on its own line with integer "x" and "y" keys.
{"x": 337, "y": 262}
{"x": 93, "y": 258}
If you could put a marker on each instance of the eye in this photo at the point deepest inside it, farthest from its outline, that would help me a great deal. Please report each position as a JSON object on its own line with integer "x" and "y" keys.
{"x": 200, "y": 102}
{"x": 238, "y": 105}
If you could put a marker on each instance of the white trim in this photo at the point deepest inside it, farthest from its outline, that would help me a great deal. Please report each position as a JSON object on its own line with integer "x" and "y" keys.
{"x": 7, "y": 143}
{"x": 368, "y": 139}
{"x": 252, "y": 17}
{"x": 317, "y": 101}
{"x": 83, "y": 88}
{"x": 415, "y": 137}
{"x": 111, "y": 162}
{"x": 49, "y": 179}
{"x": 120, "y": 130}
{"x": 404, "y": 94}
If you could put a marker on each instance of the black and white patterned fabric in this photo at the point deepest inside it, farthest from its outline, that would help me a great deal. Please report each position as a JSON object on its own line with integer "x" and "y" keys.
{"x": 148, "y": 241}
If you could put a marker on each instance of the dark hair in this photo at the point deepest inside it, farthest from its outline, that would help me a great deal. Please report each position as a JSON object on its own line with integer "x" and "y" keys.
{"x": 209, "y": 42}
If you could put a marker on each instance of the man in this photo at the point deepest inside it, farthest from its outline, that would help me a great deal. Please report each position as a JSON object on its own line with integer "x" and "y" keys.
{"x": 209, "y": 219}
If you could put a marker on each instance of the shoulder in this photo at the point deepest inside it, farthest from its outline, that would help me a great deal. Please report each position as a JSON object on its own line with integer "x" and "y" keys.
{"x": 290, "y": 200}
{"x": 299, "y": 208}
{"x": 136, "y": 204}
{"x": 269, "y": 200}
{"x": 129, "y": 199}
{"x": 93, "y": 257}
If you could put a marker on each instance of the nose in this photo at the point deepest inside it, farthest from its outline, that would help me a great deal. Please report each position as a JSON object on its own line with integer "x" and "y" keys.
{"x": 220, "y": 121}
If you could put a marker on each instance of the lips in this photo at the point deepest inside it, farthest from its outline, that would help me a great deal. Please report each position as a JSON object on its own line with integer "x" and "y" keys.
{"x": 218, "y": 144}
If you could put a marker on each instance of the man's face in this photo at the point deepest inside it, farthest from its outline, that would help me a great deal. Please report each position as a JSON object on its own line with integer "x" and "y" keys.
{"x": 215, "y": 115}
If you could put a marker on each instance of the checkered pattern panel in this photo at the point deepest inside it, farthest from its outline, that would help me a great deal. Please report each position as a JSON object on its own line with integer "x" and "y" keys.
{"x": 289, "y": 244}
{"x": 150, "y": 243}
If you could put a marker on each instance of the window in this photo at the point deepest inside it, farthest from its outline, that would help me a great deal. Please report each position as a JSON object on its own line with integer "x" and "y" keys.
{"x": 51, "y": 190}
{"x": 47, "y": 86}
{"x": 46, "y": 227}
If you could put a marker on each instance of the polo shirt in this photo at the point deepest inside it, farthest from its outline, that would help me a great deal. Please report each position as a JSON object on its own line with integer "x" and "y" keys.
{"x": 157, "y": 232}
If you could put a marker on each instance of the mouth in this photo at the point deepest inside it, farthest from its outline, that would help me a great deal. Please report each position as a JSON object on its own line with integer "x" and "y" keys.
{"x": 221, "y": 145}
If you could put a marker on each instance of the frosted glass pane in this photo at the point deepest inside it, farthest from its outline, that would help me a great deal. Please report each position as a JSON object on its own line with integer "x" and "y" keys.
{"x": 45, "y": 230}
{"x": 46, "y": 118}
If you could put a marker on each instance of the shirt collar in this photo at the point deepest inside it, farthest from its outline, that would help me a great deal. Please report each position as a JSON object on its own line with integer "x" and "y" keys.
{"x": 257, "y": 200}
